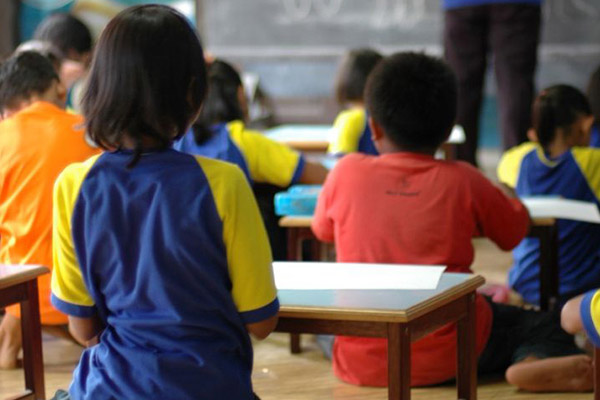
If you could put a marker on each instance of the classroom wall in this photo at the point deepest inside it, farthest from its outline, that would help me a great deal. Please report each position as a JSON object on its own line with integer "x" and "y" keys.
{"x": 295, "y": 45}
{"x": 8, "y": 28}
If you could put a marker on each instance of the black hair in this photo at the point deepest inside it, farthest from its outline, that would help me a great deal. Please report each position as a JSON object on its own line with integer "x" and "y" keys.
{"x": 222, "y": 103}
{"x": 413, "y": 97}
{"x": 557, "y": 107}
{"x": 66, "y": 32}
{"x": 593, "y": 93}
{"x": 24, "y": 75}
{"x": 147, "y": 79}
{"x": 353, "y": 73}
{"x": 46, "y": 49}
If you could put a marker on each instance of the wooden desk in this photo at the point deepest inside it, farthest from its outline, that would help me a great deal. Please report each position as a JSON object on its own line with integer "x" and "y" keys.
{"x": 401, "y": 316}
{"x": 18, "y": 284}
{"x": 542, "y": 228}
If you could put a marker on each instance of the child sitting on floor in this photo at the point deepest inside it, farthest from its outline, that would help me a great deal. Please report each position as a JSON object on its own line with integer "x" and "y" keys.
{"x": 351, "y": 131}
{"x": 559, "y": 163}
{"x": 160, "y": 256}
{"x": 38, "y": 139}
{"x": 406, "y": 207}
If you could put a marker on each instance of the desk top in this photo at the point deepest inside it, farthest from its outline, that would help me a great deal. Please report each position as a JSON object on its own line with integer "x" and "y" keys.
{"x": 11, "y": 275}
{"x": 317, "y": 137}
{"x": 304, "y": 221}
{"x": 375, "y": 305}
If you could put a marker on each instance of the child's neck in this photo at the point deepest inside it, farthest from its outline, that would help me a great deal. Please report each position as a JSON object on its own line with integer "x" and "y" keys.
{"x": 386, "y": 146}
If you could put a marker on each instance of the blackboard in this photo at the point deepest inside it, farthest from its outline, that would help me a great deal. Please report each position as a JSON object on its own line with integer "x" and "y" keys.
{"x": 295, "y": 45}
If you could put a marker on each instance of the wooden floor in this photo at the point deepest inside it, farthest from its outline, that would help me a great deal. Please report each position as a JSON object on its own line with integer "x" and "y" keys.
{"x": 280, "y": 375}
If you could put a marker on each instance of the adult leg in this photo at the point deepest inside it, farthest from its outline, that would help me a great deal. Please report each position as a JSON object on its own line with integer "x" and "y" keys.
{"x": 514, "y": 38}
{"x": 465, "y": 49}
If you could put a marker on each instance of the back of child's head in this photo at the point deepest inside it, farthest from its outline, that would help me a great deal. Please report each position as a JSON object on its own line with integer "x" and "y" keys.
{"x": 71, "y": 36}
{"x": 222, "y": 103}
{"x": 412, "y": 96}
{"x": 557, "y": 108}
{"x": 23, "y": 76}
{"x": 352, "y": 76}
{"x": 593, "y": 92}
{"x": 147, "y": 80}
{"x": 46, "y": 49}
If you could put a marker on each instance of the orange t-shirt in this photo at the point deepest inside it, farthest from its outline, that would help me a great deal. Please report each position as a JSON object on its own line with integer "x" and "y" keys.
{"x": 36, "y": 144}
{"x": 407, "y": 208}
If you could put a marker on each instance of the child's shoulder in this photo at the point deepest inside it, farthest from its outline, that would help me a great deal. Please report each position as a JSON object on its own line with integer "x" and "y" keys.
{"x": 218, "y": 170}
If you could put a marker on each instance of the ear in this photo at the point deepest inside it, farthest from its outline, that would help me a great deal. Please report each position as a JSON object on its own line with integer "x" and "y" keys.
{"x": 377, "y": 132}
{"x": 587, "y": 123}
{"x": 532, "y": 135}
{"x": 61, "y": 92}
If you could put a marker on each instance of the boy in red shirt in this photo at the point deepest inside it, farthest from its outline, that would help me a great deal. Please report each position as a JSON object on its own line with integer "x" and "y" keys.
{"x": 405, "y": 207}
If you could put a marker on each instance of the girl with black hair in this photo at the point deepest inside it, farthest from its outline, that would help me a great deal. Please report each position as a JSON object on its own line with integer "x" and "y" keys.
{"x": 558, "y": 163}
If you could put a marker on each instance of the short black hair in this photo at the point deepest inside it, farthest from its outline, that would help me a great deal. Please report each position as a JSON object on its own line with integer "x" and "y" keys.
{"x": 352, "y": 76}
{"x": 147, "y": 79}
{"x": 46, "y": 49}
{"x": 557, "y": 107}
{"x": 222, "y": 102}
{"x": 413, "y": 97}
{"x": 66, "y": 32}
{"x": 24, "y": 75}
{"x": 593, "y": 93}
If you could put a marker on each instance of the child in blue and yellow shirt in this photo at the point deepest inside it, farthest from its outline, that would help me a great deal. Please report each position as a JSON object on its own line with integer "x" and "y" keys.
{"x": 161, "y": 257}
{"x": 351, "y": 132}
{"x": 561, "y": 164}
{"x": 220, "y": 132}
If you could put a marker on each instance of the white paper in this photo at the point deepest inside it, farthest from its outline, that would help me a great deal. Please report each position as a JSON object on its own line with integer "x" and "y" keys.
{"x": 556, "y": 207}
{"x": 332, "y": 276}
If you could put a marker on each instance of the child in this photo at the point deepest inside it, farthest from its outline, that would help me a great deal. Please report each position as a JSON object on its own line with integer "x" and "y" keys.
{"x": 560, "y": 164}
{"x": 220, "y": 133}
{"x": 593, "y": 93}
{"x": 350, "y": 130}
{"x": 74, "y": 40}
{"x": 161, "y": 254}
{"x": 406, "y": 207}
{"x": 37, "y": 140}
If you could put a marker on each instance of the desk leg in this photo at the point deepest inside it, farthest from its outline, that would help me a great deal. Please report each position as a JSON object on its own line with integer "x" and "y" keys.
{"x": 548, "y": 237}
{"x": 596, "y": 373}
{"x": 398, "y": 362}
{"x": 33, "y": 362}
{"x": 466, "y": 379}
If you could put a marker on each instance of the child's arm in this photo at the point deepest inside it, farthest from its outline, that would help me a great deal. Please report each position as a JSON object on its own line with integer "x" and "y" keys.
{"x": 313, "y": 174}
{"x": 86, "y": 330}
{"x": 570, "y": 316}
{"x": 262, "y": 329}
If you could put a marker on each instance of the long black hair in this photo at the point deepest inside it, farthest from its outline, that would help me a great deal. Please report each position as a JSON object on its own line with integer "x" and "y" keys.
{"x": 222, "y": 102}
{"x": 147, "y": 80}
{"x": 557, "y": 107}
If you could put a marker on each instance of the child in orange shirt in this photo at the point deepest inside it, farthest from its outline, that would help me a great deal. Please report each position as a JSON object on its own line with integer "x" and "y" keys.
{"x": 37, "y": 140}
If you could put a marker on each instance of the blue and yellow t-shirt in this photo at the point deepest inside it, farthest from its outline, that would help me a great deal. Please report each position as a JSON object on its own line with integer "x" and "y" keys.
{"x": 590, "y": 315}
{"x": 173, "y": 256}
{"x": 573, "y": 175}
{"x": 263, "y": 160}
{"x": 595, "y": 136}
{"x": 351, "y": 133}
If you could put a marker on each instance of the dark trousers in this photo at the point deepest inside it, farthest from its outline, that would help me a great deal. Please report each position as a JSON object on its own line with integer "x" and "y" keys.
{"x": 511, "y": 33}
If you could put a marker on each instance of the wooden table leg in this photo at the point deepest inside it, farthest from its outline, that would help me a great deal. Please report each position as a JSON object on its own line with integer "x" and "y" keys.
{"x": 466, "y": 377}
{"x": 596, "y": 373}
{"x": 548, "y": 237}
{"x": 33, "y": 362}
{"x": 398, "y": 362}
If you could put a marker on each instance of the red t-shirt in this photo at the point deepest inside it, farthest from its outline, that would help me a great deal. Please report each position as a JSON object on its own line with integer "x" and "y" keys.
{"x": 409, "y": 208}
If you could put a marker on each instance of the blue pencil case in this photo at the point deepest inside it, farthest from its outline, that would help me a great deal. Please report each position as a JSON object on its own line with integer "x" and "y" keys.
{"x": 298, "y": 200}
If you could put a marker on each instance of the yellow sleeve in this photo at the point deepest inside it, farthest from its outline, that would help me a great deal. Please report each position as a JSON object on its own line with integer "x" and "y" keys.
{"x": 347, "y": 130}
{"x": 246, "y": 241}
{"x": 268, "y": 161}
{"x": 510, "y": 163}
{"x": 588, "y": 160}
{"x": 590, "y": 315}
{"x": 69, "y": 293}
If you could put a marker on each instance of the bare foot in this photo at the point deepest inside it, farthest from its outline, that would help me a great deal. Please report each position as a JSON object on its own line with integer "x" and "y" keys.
{"x": 10, "y": 342}
{"x": 555, "y": 374}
